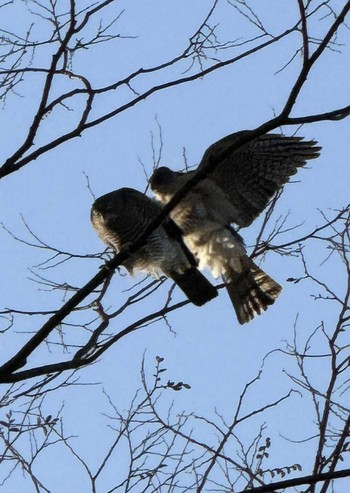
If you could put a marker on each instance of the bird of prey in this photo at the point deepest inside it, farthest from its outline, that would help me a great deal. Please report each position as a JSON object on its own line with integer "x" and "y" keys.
{"x": 238, "y": 189}
{"x": 119, "y": 218}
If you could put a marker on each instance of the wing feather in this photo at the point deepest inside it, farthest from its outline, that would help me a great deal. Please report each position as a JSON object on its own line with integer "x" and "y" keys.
{"x": 251, "y": 175}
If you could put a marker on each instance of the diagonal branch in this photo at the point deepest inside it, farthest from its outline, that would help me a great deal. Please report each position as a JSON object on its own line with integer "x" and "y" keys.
{"x": 290, "y": 483}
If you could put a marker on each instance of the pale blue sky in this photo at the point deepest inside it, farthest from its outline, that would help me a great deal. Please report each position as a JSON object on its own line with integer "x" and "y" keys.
{"x": 209, "y": 350}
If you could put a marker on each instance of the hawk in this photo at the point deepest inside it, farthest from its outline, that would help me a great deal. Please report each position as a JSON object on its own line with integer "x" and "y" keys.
{"x": 119, "y": 218}
{"x": 237, "y": 191}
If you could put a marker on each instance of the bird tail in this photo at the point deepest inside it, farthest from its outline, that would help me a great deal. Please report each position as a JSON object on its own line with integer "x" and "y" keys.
{"x": 196, "y": 287}
{"x": 251, "y": 291}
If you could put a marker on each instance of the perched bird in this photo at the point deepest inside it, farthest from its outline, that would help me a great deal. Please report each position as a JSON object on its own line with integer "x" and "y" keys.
{"x": 237, "y": 191}
{"x": 119, "y": 218}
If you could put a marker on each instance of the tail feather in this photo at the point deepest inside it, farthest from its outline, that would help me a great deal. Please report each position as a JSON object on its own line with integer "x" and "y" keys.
{"x": 251, "y": 291}
{"x": 196, "y": 287}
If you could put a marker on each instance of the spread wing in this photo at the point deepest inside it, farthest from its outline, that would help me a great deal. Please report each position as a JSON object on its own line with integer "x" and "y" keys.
{"x": 251, "y": 175}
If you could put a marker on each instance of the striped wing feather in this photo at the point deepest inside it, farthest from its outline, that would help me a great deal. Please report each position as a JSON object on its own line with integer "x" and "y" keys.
{"x": 251, "y": 175}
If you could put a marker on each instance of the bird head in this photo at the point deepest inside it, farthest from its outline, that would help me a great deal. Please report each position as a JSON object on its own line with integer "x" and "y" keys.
{"x": 108, "y": 201}
{"x": 164, "y": 183}
{"x": 114, "y": 204}
{"x": 161, "y": 178}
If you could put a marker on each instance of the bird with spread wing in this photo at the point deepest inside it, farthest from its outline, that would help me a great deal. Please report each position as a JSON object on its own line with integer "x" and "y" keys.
{"x": 120, "y": 217}
{"x": 235, "y": 192}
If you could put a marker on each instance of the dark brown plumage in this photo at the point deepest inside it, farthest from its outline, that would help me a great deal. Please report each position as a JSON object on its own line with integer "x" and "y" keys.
{"x": 237, "y": 191}
{"x": 119, "y": 218}
{"x": 250, "y": 176}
